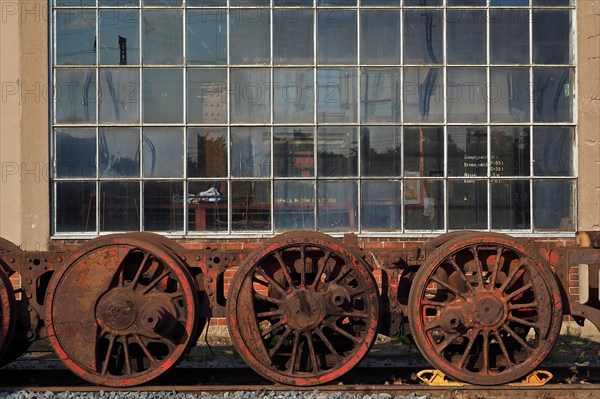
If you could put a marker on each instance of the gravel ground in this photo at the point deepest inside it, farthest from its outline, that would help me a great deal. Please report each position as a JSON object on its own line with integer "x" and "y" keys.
{"x": 204, "y": 395}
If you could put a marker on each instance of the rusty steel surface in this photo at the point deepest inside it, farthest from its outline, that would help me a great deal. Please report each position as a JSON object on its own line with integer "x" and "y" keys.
{"x": 122, "y": 311}
{"x": 485, "y": 309}
{"x": 303, "y": 309}
{"x": 7, "y": 313}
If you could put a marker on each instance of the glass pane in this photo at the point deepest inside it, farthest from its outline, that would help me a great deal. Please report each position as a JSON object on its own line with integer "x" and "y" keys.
{"x": 381, "y": 151}
{"x": 207, "y": 206}
{"x": 554, "y": 205}
{"x": 294, "y": 95}
{"x": 510, "y": 151}
{"x": 423, "y": 203}
{"x": 75, "y": 37}
{"x": 75, "y": 152}
{"x": 206, "y": 3}
{"x": 251, "y": 205}
{"x": 380, "y": 95}
{"x": 75, "y": 207}
{"x": 163, "y": 206}
{"x": 423, "y": 94}
{"x": 206, "y": 37}
{"x": 430, "y": 3}
{"x": 119, "y": 31}
{"x": 511, "y": 205}
{"x": 250, "y": 3}
{"x": 161, "y": 3}
{"x": 119, "y": 152}
{"x": 337, "y": 151}
{"x": 294, "y": 205}
{"x": 75, "y": 92}
{"x": 466, "y": 95}
{"x": 452, "y": 3}
{"x": 207, "y": 152}
{"x": 380, "y": 37}
{"x": 553, "y": 151}
{"x": 552, "y": 3}
{"x": 336, "y": 96}
{"x": 336, "y": 2}
{"x": 119, "y": 95}
{"x": 466, "y": 30}
{"x": 162, "y": 37}
{"x": 510, "y": 100}
{"x": 249, "y": 32}
{"x": 552, "y": 37}
{"x": 281, "y": 3}
{"x": 506, "y": 3}
{"x": 381, "y": 205}
{"x": 207, "y": 96}
{"x": 294, "y": 152}
{"x": 75, "y": 3}
{"x": 293, "y": 37}
{"x": 380, "y": 3}
{"x": 163, "y": 152}
{"x": 423, "y": 37}
{"x": 118, "y": 3}
{"x": 553, "y": 94}
{"x": 337, "y": 205}
{"x": 250, "y": 95}
{"x": 119, "y": 206}
{"x": 251, "y": 152}
{"x": 424, "y": 151}
{"x": 336, "y": 37}
{"x": 509, "y": 36}
{"x": 163, "y": 95}
{"x": 467, "y": 151}
{"x": 467, "y": 204}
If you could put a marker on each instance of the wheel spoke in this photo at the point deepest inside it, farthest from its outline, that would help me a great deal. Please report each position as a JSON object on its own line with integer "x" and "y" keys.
{"x": 516, "y": 337}
{"x": 479, "y": 267}
{"x": 427, "y": 302}
{"x": 503, "y": 349}
{"x": 284, "y": 268}
{"x": 524, "y": 322}
{"x": 341, "y": 276}
{"x": 320, "y": 270}
{"x": 461, "y": 274}
{"x": 520, "y": 306}
{"x": 465, "y": 355}
{"x": 356, "y": 315}
{"x": 273, "y": 328}
{"x": 344, "y": 333}
{"x": 273, "y": 313}
{"x": 145, "y": 349}
{"x": 518, "y": 292}
{"x": 111, "y": 344}
{"x": 494, "y": 277}
{"x": 486, "y": 352}
{"x": 140, "y": 270}
{"x": 455, "y": 291}
{"x": 313, "y": 355}
{"x": 511, "y": 277}
{"x": 281, "y": 341}
{"x": 448, "y": 340}
{"x": 432, "y": 326}
{"x": 269, "y": 299}
{"x": 328, "y": 344}
{"x": 295, "y": 349}
{"x": 272, "y": 282}
{"x": 155, "y": 282}
{"x": 126, "y": 355}
{"x": 303, "y": 266}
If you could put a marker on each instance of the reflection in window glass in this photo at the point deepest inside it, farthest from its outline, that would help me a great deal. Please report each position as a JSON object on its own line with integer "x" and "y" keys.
{"x": 75, "y": 152}
{"x": 553, "y": 205}
{"x": 381, "y": 151}
{"x": 467, "y": 151}
{"x": 423, "y": 203}
{"x": 207, "y": 152}
{"x": 293, "y": 37}
{"x": 119, "y": 31}
{"x": 424, "y": 151}
{"x": 466, "y": 95}
{"x": 75, "y": 207}
{"x": 75, "y": 37}
{"x": 380, "y": 37}
{"x": 163, "y": 152}
{"x": 337, "y": 151}
{"x": 553, "y": 94}
{"x": 294, "y": 205}
{"x": 250, "y": 152}
{"x": 423, "y": 94}
{"x": 163, "y": 206}
{"x": 251, "y": 205}
{"x": 509, "y": 36}
{"x": 119, "y": 95}
{"x": 250, "y": 95}
{"x": 206, "y": 37}
{"x": 207, "y": 206}
{"x": 423, "y": 33}
{"x": 337, "y": 37}
{"x": 511, "y": 205}
{"x": 337, "y": 205}
{"x": 510, "y": 151}
{"x": 552, "y": 37}
{"x": 553, "y": 151}
{"x": 467, "y": 204}
{"x": 207, "y": 95}
{"x": 162, "y": 95}
{"x": 119, "y": 206}
{"x": 381, "y": 205}
{"x": 119, "y": 152}
{"x": 75, "y": 92}
{"x": 294, "y": 152}
{"x": 162, "y": 37}
{"x": 336, "y": 96}
{"x": 294, "y": 95}
{"x": 466, "y": 36}
{"x": 250, "y": 36}
{"x": 510, "y": 99}
{"x": 380, "y": 95}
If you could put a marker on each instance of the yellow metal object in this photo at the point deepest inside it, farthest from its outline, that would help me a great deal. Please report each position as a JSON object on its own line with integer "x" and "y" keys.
{"x": 535, "y": 379}
{"x": 437, "y": 378}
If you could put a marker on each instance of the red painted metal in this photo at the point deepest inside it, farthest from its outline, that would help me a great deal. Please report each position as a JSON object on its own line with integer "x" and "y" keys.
{"x": 485, "y": 309}
{"x": 122, "y": 311}
{"x": 303, "y": 309}
{"x": 7, "y": 313}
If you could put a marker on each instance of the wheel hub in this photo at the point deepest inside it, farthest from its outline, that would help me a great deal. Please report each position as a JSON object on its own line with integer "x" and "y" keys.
{"x": 304, "y": 309}
{"x": 489, "y": 310}
{"x": 116, "y": 310}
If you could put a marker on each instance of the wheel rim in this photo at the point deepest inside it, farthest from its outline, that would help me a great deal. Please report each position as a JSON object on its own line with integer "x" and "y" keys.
{"x": 485, "y": 310}
{"x": 7, "y": 313}
{"x": 122, "y": 312}
{"x": 303, "y": 310}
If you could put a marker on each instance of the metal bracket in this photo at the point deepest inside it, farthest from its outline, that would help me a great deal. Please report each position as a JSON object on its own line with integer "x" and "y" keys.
{"x": 438, "y": 378}
{"x": 537, "y": 378}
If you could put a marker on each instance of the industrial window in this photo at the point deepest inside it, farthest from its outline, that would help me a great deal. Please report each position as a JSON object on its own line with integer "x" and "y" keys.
{"x": 204, "y": 117}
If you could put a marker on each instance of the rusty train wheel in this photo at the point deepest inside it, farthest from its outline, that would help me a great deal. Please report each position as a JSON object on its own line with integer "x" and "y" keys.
{"x": 7, "y": 313}
{"x": 303, "y": 309}
{"x": 485, "y": 309}
{"x": 122, "y": 312}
